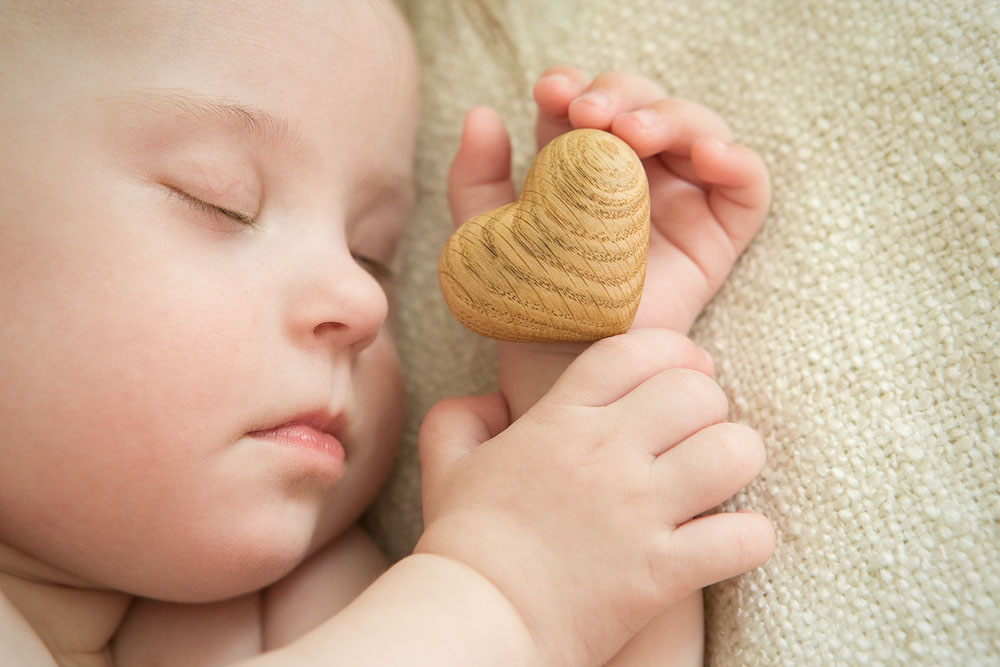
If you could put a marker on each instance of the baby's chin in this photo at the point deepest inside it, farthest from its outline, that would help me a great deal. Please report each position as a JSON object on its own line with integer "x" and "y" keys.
{"x": 200, "y": 569}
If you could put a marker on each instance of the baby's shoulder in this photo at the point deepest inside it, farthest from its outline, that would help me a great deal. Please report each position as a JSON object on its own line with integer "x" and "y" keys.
{"x": 163, "y": 633}
{"x": 19, "y": 645}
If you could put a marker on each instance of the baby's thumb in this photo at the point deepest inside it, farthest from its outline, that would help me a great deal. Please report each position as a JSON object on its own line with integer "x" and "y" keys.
{"x": 479, "y": 179}
{"x": 455, "y": 427}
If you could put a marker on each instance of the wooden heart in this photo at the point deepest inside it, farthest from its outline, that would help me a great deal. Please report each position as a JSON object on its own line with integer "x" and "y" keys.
{"x": 567, "y": 260}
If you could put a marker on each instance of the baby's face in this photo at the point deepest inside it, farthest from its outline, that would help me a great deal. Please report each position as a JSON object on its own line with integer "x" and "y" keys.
{"x": 197, "y": 201}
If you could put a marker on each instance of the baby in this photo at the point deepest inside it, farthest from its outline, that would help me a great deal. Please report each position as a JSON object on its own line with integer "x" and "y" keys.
{"x": 200, "y": 205}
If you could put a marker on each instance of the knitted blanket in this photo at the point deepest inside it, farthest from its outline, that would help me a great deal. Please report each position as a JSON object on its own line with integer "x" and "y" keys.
{"x": 859, "y": 334}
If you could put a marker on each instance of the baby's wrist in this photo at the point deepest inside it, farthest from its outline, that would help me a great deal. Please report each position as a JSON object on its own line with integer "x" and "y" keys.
{"x": 527, "y": 370}
{"x": 485, "y": 621}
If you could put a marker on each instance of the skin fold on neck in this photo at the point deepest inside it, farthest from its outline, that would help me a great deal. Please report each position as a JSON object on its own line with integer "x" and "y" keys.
{"x": 74, "y": 620}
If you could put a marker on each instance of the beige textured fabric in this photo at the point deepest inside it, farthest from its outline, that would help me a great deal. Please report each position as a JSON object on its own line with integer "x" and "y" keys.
{"x": 859, "y": 333}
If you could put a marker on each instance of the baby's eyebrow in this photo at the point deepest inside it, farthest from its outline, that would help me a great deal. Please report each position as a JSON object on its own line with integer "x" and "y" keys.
{"x": 257, "y": 122}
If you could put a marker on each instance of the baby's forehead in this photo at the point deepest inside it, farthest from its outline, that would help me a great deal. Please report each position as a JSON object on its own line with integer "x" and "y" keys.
{"x": 264, "y": 28}
{"x": 333, "y": 84}
{"x": 270, "y": 53}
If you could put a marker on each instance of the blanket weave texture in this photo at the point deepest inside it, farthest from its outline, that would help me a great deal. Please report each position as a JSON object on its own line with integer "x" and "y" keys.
{"x": 859, "y": 332}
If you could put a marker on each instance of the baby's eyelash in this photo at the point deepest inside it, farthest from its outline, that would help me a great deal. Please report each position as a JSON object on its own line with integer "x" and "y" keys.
{"x": 212, "y": 209}
{"x": 378, "y": 270}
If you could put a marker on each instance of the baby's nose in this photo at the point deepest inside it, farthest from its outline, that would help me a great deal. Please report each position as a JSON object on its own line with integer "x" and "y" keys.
{"x": 343, "y": 307}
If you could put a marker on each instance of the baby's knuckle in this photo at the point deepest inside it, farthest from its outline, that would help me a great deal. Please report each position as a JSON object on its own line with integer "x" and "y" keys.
{"x": 643, "y": 346}
{"x": 621, "y": 351}
{"x": 661, "y": 562}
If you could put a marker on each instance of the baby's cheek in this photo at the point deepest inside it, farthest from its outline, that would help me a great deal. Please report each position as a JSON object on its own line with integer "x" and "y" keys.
{"x": 379, "y": 397}
{"x": 386, "y": 381}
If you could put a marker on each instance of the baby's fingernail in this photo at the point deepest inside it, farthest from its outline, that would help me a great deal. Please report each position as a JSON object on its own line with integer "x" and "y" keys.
{"x": 645, "y": 117}
{"x": 554, "y": 78}
{"x": 707, "y": 357}
{"x": 720, "y": 144}
{"x": 598, "y": 98}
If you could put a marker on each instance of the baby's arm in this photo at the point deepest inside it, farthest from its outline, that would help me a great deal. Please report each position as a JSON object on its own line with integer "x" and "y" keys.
{"x": 708, "y": 199}
{"x": 320, "y": 587}
{"x": 19, "y": 644}
{"x": 219, "y": 633}
{"x": 554, "y": 539}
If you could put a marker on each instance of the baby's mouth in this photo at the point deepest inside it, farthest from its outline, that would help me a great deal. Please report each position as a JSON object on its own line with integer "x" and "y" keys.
{"x": 317, "y": 432}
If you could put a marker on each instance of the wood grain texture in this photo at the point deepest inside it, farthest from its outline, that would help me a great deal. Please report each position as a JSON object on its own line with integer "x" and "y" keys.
{"x": 567, "y": 260}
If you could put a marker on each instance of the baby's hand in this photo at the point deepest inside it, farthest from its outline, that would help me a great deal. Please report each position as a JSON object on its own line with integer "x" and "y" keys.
{"x": 581, "y": 513}
{"x": 708, "y": 196}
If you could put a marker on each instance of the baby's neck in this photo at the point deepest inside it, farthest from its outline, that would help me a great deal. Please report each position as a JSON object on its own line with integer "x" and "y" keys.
{"x": 75, "y": 622}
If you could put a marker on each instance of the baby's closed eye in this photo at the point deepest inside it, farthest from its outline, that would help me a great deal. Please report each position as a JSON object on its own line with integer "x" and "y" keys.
{"x": 374, "y": 233}
{"x": 211, "y": 209}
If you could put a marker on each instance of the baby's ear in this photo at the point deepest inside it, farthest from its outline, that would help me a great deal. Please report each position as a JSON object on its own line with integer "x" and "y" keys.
{"x": 479, "y": 179}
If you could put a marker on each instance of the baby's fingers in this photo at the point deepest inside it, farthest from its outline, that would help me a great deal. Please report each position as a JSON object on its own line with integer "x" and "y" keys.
{"x": 609, "y": 95}
{"x": 668, "y": 125}
{"x": 721, "y": 546}
{"x": 479, "y": 179}
{"x": 707, "y": 468}
{"x": 453, "y": 428}
{"x": 739, "y": 187}
{"x": 670, "y": 407}
{"x": 611, "y": 368}
{"x": 553, "y": 92}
